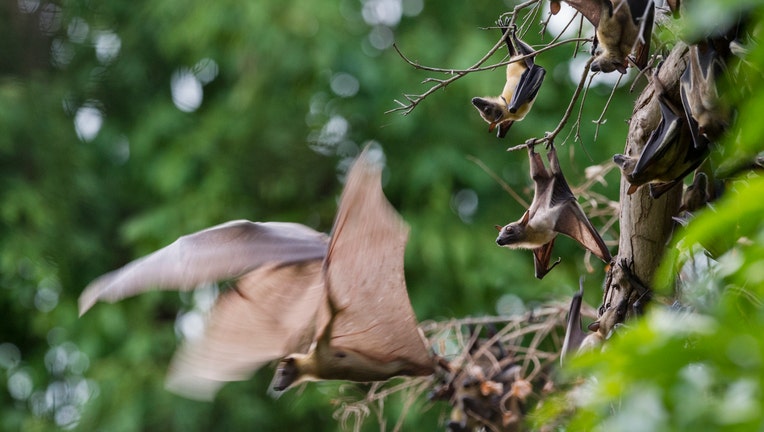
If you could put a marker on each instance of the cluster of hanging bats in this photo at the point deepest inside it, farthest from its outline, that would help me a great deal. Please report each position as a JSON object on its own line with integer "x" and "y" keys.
{"x": 336, "y": 307}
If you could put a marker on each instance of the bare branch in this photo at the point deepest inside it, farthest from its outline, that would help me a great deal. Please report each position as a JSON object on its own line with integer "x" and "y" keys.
{"x": 550, "y": 136}
{"x": 499, "y": 180}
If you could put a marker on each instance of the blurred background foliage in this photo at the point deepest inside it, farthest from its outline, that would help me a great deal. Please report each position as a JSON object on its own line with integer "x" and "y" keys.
{"x": 127, "y": 124}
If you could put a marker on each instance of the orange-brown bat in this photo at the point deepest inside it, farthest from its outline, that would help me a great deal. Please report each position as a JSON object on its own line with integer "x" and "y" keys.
{"x": 554, "y": 210}
{"x": 705, "y": 117}
{"x": 668, "y": 155}
{"x": 331, "y": 313}
{"x": 623, "y": 27}
{"x": 524, "y": 78}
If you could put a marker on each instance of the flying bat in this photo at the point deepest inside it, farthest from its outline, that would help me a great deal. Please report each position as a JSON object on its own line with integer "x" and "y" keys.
{"x": 554, "y": 210}
{"x": 524, "y": 78}
{"x": 667, "y": 157}
{"x": 372, "y": 334}
{"x": 623, "y": 27}
{"x": 331, "y": 314}
{"x": 706, "y": 118}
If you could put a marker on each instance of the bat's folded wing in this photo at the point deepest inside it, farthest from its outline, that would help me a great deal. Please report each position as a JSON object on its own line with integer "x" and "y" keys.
{"x": 272, "y": 312}
{"x": 225, "y": 251}
{"x": 528, "y": 87}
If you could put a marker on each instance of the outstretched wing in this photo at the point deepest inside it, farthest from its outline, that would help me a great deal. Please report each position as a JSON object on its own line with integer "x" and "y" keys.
{"x": 364, "y": 274}
{"x": 225, "y": 251}
{"x": 272, "y": 312}
{"x": 571, "y": 219}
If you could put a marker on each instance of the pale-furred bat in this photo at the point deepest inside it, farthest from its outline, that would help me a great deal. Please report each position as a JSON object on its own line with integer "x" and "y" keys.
{"x": 554, "y": 210}
{"x": 524, "y": 78}
{"x": 705, "y": 116}
{"x": 330, "y": 314}
{"x": 622, "y": 26}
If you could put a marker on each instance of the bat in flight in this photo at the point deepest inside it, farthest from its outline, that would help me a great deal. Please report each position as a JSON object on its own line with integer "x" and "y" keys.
{"x": 705, "y": 117}
{"x": 326, "y": 312}
{"x": 554, "y": 210}
{"x": 623, "y": 27}
{"x": 524, "y": 78}
{"x": 668, "y": 156}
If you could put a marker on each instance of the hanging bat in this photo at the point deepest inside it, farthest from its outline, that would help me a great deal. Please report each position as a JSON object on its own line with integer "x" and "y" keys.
{"x": 290, "y": 294}
{"x": 695, "y": 197}
{"x": 667, "y": 157}
{"x": 706, "y": 118}
{"x": 622, "y": 26}
{"x": 524, "y": 78}
{"x": 576, "y": 339}
{"x": 574, "y": 333}
{"x": 554, "y": 210}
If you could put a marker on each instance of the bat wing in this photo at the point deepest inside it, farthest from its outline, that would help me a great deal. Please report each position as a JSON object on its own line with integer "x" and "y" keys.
{"x": 530, "y": 81}
{"x": 661, "y": 140}
{"x": 571, "y": 219}
{"x": 272, "y": 312}
{"x": 222, "y": 252}
{"x": 685, "y": 91}
{"x": 573, "y": 223}
{"x": 590, "y": 9}
{"x": 574, "y": 333}
{"x": 542, "y": 256}
{"x": 504, "y": 128}
{"x": 528, "y": 87}
{"x": 365, "y": 278}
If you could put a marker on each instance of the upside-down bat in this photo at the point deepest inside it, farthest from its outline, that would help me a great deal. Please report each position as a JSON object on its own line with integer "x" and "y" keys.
{"x": 622, "y": 26}
{"x": 524, "y": 78}
{"x": 705, "y": 117}
{"x": 579, "y": 341}
{"x": 667, "y": 157}
{"x": 554, "y": 210}
{"x": 291, "y": 296}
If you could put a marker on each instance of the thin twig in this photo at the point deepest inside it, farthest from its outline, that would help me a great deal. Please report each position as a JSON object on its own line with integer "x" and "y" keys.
{"x": 600, "y": 121}
{"x": 550, "y": 136}
{"x": 498, "y": 180}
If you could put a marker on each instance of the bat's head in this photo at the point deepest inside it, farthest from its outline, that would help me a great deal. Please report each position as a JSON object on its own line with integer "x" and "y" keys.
{"x": 493, "y": 110}
{"x": 607, "y": 63}
{"x": 290, "y": 371}
{"x": 511, "y": 234}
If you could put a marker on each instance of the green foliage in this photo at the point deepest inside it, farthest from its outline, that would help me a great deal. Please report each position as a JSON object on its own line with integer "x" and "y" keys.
{"x": 279, "y": 114}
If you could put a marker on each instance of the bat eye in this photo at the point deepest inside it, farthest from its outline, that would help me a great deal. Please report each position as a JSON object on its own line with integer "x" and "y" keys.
{"x": 340, "y": 354}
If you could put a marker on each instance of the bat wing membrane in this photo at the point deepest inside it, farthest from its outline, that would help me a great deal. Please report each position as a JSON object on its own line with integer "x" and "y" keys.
{"x": 225, "y": 251}
{"x": 365, "y": 277}
{"x": 273, "y": 311}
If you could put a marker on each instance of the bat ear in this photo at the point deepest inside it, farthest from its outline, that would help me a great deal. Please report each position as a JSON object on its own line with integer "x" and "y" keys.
{"x": 498, "y": 227}
{"x": 595, "y": 326}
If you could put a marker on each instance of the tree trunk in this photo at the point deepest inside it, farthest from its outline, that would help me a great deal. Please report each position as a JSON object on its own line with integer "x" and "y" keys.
{"x": 645, "y": 223}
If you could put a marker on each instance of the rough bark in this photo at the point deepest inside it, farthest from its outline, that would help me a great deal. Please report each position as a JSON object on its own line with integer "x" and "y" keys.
{"x": 645, "y": 223}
